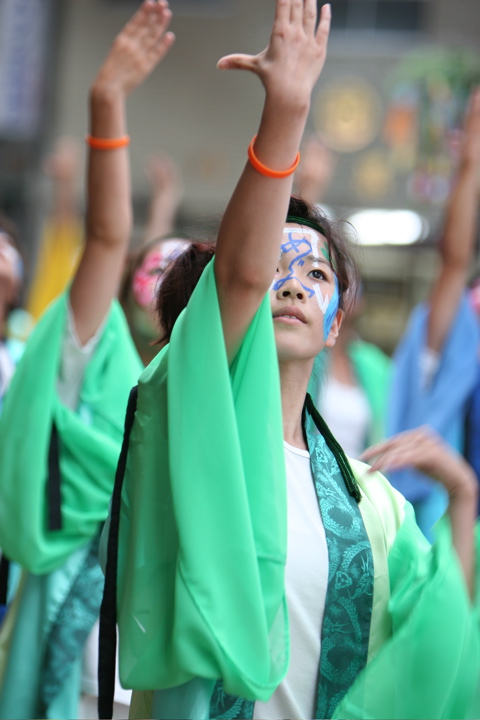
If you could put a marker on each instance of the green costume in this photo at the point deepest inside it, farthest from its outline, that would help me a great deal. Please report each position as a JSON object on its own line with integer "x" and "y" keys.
{"x": 372, "y": 369}
{"x": 202, "y": 549}
{"x": 59, "y": 595}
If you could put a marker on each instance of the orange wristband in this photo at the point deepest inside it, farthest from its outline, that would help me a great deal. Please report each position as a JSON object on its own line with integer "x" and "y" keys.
{"x": 264, "y": 170}
{"x": 107, "y": 143}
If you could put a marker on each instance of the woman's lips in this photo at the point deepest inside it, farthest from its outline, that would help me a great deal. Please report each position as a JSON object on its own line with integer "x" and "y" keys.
{"x": 290, "y": 315}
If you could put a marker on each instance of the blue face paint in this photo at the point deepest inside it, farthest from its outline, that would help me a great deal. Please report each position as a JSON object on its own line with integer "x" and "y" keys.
{"x": 301, "y": 248}
{"x": 329, "y": 316}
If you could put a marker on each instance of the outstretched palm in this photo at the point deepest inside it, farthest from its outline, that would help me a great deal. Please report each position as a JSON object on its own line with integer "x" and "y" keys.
{"x": 291, "y": 64}
{"x": 139, "y": 47}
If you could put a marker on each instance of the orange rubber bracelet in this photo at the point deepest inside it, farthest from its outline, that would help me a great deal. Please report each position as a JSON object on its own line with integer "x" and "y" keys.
{"x": 107, "y": 143}
{"x": 264, "y": 170}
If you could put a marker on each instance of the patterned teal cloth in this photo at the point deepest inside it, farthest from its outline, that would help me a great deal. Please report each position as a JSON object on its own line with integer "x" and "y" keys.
{"x": 72, "y": 626}
{"x": 348, "y": 607}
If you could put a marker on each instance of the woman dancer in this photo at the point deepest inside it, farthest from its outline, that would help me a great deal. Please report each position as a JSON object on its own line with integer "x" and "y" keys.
{"x": 62, "y": 425}
{"x": 439, "y": 349}
{"x": 208, "y": 562}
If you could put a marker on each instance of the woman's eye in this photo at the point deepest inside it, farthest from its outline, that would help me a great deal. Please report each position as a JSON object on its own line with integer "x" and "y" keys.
{"x": 317, "y": 275}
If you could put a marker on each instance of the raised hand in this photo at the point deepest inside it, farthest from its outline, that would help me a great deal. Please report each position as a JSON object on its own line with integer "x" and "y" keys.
{"x": 166, "y": 195}
{"x": 138, "y": 48}
{"x": 315, "y": 170}
{"x": 291, "y": 64}
{"x": 164, "y": 175}
{"x": 424, "y": 450}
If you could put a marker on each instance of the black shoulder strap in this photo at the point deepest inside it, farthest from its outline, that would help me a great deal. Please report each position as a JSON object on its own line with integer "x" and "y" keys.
{"x": 108, "y": 610}
{"x": 4, "y": 573}
{"x": 335, "y": 447}
{"x": 54, "y": 481}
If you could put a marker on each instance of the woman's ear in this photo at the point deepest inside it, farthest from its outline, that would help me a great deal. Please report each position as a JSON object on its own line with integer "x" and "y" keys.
{"x": 335, "y": 329}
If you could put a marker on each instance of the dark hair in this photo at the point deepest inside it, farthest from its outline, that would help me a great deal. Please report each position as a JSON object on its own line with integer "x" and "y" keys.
{"x": 339, "y": 246}
{"x": 178, "y": 284}
{"x": 183, "y": 274}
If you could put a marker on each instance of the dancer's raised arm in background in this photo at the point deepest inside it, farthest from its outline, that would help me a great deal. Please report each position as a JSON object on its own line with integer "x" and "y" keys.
{"x": 71, "y": 394}
{"x": 439, "y": 349}
{"x": 457, "y": 243}
{"x": 135, "y": 53}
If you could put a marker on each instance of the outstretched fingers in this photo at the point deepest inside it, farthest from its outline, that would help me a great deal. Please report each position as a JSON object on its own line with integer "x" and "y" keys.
{"x": 139, "y": 47}
{"x": 323, "y": 29}
{"x": 296, "y": 11}
{"x": 310, "y": 16}
{"x": 282, "y": 12}
{"x": 237, "y": 61}
{"x": 150, "y": 26}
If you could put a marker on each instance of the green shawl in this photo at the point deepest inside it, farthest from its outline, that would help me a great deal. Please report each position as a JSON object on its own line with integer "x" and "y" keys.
{"x": 89, "y": 441}
{"x": 205, "y": 483}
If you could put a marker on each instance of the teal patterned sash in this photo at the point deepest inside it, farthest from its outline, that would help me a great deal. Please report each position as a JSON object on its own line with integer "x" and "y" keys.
{"x": 348, "y": 606}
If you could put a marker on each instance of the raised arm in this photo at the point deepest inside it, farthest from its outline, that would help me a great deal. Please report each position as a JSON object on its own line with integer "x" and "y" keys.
{"x": 458, "y": 239}
{"x": 135, "y": 52}
{"x": 166, "y": 194}
{"x": 423, "y": 449}
{"x": 250, "y": 234}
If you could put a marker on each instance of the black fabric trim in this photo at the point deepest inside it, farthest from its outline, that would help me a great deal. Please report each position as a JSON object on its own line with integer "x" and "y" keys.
{"x": 108, "y": 610}
{"x": 54, "y": 482}
{"x": 4, "y": 573}
{"x": 335, "y": 447}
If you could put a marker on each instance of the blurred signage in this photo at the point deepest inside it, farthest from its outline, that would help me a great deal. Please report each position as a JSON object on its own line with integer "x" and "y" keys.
{"x": 24, "y": 26}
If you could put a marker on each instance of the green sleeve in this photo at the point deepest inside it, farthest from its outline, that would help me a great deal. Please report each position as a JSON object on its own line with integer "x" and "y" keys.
{"x": 88, "y": 446}
{"x": 429, "y": 667}
{"x": 203, "y": 520}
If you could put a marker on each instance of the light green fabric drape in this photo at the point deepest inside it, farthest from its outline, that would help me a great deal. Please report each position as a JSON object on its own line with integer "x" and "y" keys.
{"x": 203, "y": 524}
{"x": 430, "y": 666}
{"x": 89, "y": 441}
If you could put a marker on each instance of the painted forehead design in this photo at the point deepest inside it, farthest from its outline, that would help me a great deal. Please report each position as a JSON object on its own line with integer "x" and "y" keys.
{"x": 317, "y": 242}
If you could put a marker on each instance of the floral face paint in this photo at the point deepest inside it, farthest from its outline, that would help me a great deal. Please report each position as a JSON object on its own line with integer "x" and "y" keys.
{"x": 148, "y": 276}
{"x": 304, "y": 258}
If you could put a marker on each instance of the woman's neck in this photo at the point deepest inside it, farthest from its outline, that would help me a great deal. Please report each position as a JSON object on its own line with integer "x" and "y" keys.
{"x": 294, "y": 377}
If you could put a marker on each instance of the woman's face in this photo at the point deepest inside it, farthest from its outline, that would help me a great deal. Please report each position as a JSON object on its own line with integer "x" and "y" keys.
{"x": 304, "y": 296}
{"x": 11, "y": 266}
{"x": 145, "y": 282}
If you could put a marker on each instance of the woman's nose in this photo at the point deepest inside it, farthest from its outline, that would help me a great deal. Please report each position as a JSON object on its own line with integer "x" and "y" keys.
{"x": 292, "y": 288}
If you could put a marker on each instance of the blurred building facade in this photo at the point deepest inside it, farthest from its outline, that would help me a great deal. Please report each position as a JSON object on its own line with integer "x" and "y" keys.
{"x": 205, "y": 118}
